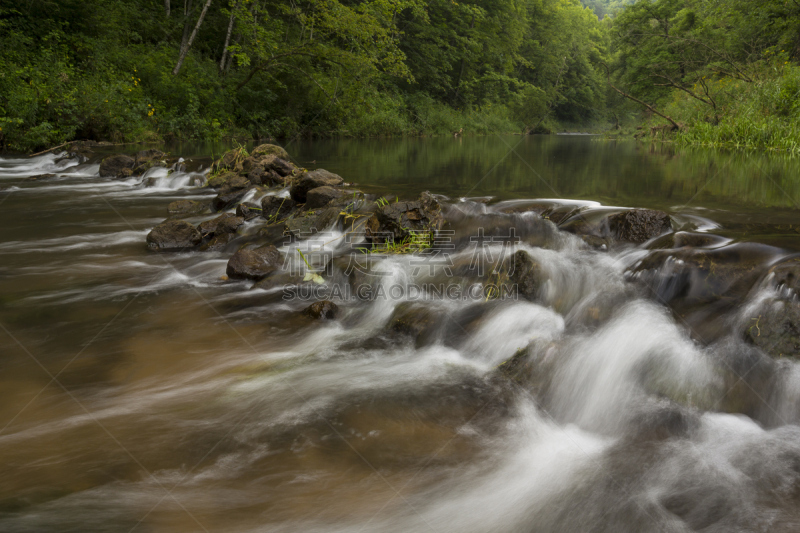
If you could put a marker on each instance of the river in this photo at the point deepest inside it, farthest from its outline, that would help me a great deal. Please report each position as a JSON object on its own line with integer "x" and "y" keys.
{"x": 144, "y": 391}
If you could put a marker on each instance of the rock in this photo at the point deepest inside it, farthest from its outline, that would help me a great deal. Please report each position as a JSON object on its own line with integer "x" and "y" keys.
{"x": 527, "y": 274}
{"x": 117, "y": 166}
{"x": 312, "y": 180}
{"x": 282, "y": 167}
{"x": 270, "y": 149}
{"x": 147, "y": 159}
{"x": 231, "y": 193}
{"x": 232, "y": 159}
{"x": 639, "y": 225}
{"x": 274, "y": 234}
{"x": 322, "y": 310}
{"x": 186, "y": 207}
{"x": 776, "y": 329}
{"x": 227, "y": 223}
{"x": 276, "y": 208}
{"x": 248, "y": 210}
{"x": 173, "y": 235}
{"x": 312, "y": 222}
{"x": 218, "y": 243}
{"x": 321, "y": 196}
{"x": 786, "y": 274}
{"x": 254, "y": 263}
{"x": 220, "y": 180}
{"x": 416, "y": 321}
{"x": 395, "y": 221}
{"x": 40, "y": 177}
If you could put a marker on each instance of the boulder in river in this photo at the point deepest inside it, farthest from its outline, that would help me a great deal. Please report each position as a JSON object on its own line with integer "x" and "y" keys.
{"x": 639, "y": 225}
{"x": 312, "y": 180}
{"x": 254, "y": 263}
{"x": 226, "y": 223}
{"x": 396, "y": 221}
{"x": 526, "y": 274}
{"x": 269, "y": 149}
{"x": 220, "y": 180}
{"x": 276, "y": 208}
{"x": 321, "y": 196}
{"x": 186, "y": 208}
{"x": 776, "y": 329}
{"x": 248, "y": 210}
{"x": 173, "y": 235}
{"x": 117, "y": 166}
{"x": 231, "y": 160}
{"x": 633, "y": 225}
{"x": 231, "y": 193}
{"x": 322, "y": 310}
{"x": 417, "y": 321}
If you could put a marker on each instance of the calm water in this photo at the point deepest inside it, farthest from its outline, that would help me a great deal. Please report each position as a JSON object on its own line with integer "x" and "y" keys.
{"x": 146, "y": 392}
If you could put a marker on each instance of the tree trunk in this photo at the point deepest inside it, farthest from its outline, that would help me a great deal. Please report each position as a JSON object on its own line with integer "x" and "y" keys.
{"x": 185, "y": 50}
{"x": 227, "y": 39}
{"x": 167, "y": 7}
{"x": 187, "y": 13}
{"x": 675, "y": 125}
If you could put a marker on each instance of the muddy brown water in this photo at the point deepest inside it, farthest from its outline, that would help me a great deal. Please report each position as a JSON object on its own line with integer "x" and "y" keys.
{"x": 145, "y": 392}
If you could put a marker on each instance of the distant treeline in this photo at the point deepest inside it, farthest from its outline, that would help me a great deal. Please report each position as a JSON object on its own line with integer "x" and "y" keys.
{"x": 138, "y": 69}
{"x": 716, "y": 71}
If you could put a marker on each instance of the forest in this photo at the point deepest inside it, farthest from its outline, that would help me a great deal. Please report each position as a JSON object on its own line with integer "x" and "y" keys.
{"x": 715, "y": 72}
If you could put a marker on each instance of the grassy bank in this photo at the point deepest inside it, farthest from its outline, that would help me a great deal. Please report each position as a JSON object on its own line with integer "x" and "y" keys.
{"x": 762, "y": 113}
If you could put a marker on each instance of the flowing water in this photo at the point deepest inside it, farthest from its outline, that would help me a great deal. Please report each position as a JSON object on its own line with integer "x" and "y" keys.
{"x": 143, "y": 391}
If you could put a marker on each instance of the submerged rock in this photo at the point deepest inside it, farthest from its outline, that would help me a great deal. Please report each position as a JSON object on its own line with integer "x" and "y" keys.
{"x": 186, "y": 207}
{"x": 254, "y": 263}
{"x": 117, "y": 166}
{"x": 312, "y": 180}
{"x": 322, "y": 310}
{"x": 173, "y": 235}
{"x": 417, "y": 321}
{"x": 397, "y": 221}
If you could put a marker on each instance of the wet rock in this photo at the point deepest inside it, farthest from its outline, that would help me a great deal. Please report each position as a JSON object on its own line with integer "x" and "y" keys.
{"x": 277, "y": 208}
{"x": 639, "y": 225}
{"x": 40, "y": 177}
{"x": 268, "y": 169}
{"x": 221, "y": 180}
{"x": 226, "y": 223}
{"x": 519, "y": 368}
{"x": 312, "y": 180}
{"x": 218, "y": 243}
{"x": 231, "y": 193}
{"x": 232, "y": 159}
{"x": 417, "y": 321}
{"x": 248, "y": 210}
{"x": 269, "y": 149}
{"x": 321, "y": 196}
{"x": 173, "y": 235}
{"x": 254, "y": 263}
{"x": 273, "y": 234}
{"x": 396, "y": 221}
{"x": 117, "y": 166}
{"x": 186, "y": 207}
{"x": 776, "y": 329}
{"x": 147, "y": 159}
{"x": 527, "y": 275}
{"x": 634, "y": 225}
{"x": 312, "y": 222}
{"x": 322, "y": 310}
{"x": 282, "y": 167}
{"x": 785, "y": 275}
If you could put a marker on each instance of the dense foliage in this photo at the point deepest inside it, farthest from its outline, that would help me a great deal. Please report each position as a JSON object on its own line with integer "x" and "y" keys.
{"x": 718, "y": 72}
{"x": 155, "y": 69}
